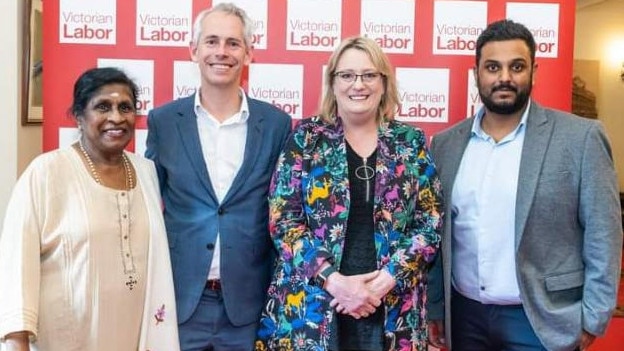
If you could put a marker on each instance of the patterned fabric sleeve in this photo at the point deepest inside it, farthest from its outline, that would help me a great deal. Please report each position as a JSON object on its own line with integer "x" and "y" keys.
{"x": 304, "y": 250}
{"x": 417, "y": 227}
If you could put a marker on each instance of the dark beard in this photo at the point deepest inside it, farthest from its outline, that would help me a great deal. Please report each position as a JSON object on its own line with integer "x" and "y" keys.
{"x": 504, "y": 108}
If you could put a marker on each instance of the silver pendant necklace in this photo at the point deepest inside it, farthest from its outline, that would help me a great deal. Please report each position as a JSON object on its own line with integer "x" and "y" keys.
{"x": 365, "y": 173}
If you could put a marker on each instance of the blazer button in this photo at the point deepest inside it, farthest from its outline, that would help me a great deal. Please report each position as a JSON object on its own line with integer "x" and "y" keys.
{"x": 210, "y": 246}
{"x": 220, "y": 211}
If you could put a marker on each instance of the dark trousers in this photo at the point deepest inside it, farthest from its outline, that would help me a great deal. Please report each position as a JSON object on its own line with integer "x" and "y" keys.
{"x": 481, "y": 327}
{"x": 209, "y": 328}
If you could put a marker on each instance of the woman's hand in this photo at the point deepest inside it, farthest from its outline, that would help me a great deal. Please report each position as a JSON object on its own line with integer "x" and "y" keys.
{"x": 381, "y": 285}
{"x": 17, "y": 341}
{"x": 352, "y": 295}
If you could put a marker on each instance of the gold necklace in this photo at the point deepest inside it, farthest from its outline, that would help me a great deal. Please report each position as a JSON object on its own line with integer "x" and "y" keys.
{"x": 126, "y": 164}
{"x": 131, "y": 279}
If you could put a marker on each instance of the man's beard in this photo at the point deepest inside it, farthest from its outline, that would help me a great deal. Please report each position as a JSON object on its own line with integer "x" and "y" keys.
{"x": 506, "y": 108}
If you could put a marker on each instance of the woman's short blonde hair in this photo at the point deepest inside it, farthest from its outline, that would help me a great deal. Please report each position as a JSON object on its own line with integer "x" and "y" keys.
{"x": 389, "y": 99}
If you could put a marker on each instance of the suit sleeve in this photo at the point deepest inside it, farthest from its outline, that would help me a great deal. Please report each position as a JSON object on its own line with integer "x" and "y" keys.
{"x": 152, "y": 144}
{"x": 296, "y": 244}
{"x": 599, "y": 213}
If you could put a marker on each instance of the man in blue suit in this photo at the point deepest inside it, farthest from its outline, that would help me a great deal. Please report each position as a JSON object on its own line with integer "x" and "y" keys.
{"x": 215, "y": 153}
{"x": 531, "y": 250}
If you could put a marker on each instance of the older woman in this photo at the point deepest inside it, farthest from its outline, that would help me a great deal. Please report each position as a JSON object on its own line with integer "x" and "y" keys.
{"x": 355, "y": 216}
{"x": 84, "y": 263}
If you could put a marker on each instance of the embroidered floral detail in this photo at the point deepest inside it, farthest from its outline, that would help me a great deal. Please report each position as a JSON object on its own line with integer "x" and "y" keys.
{"x": 160, "y": 314}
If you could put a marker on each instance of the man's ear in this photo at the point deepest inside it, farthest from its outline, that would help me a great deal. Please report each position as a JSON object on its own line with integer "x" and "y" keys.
{"x": 475, "y": 75}
{"x": 193, "y": 51}
{"x": 248, "y": 55}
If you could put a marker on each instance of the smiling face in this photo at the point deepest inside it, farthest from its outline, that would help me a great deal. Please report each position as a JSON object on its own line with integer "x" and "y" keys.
{"x": 505, "y": 76}
{"x": 358, "y": 101}
{"x": 107, "y": 122}
{"x": 220, "y": 51}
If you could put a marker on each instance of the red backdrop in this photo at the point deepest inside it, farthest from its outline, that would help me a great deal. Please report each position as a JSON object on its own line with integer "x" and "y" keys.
{"x": 65, "y": 61}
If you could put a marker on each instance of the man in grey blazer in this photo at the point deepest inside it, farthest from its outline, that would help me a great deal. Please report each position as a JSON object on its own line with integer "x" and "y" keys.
{"x": 215, "y": 152}
{"x": 531, "y": 250}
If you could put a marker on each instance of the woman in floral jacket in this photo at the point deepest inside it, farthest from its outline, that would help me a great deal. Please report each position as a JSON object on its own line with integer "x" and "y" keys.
{"x": 355, "y": 215}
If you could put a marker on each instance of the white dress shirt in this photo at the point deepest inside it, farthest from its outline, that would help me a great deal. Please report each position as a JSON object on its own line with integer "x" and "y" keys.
{"x": 483, "y": 215}
{"x": 223, "y": 147}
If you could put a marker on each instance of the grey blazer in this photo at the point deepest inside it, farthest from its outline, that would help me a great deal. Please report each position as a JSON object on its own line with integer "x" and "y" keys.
{"x": 193, "y": 214}
{"x": 568, "y": 230}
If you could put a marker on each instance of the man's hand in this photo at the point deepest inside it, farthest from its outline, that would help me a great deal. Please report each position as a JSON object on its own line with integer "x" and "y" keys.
{"x": 436, "y": 334}
{"x": 586, "y": 340}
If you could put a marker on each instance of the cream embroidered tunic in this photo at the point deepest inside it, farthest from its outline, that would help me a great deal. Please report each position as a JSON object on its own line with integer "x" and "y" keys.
{"x": 74, "y": 258}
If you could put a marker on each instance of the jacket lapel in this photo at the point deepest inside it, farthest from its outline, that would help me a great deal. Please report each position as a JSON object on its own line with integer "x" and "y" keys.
{"x": 255, "y": 135}
{"x": 537, "y": 136}
{"x": 187, "y": 127}
{"x": 453, "y": 153}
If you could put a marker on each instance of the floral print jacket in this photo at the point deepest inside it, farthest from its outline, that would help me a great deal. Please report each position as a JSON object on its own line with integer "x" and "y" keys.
{"x": 309, "y": 206}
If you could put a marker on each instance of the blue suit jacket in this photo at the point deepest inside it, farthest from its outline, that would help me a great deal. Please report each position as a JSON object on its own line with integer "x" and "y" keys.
{"x": 193, "y": 214}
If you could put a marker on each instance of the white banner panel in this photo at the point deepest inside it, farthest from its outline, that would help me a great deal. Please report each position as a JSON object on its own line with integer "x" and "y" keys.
{"x": 142, "y": 73}
{"x": 278, "y": 84}
{"x": 390, "y": 23}
{"x": 457, "y": 25}
{"x": 88, "y": 22}
{"x": 186, "y": 78}
{"x": 423, "y": 94}
{"x": 164, "y": 22}
{"x": 473, "y": 103}
{"x": 309, "y": 29}
{"x": 543, "y": 21}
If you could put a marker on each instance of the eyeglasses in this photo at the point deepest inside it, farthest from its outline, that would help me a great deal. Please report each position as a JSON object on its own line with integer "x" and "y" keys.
{"x": 350, "y": 77}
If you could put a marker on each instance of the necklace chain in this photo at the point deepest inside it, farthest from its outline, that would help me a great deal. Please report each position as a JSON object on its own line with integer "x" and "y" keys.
{"x": 129, "y": 178}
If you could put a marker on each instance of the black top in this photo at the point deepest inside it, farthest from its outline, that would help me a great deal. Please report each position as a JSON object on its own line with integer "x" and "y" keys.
{"x": 359, "y": 254}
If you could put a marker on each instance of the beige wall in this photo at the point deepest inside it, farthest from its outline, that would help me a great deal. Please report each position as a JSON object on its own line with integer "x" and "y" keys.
{"x": 599, "y": 28}
{"x": 18, "y": 144}
{"x": 29, "y": 138}
{"x": 29, "y": 145}
{"x": 8, "y": 99}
